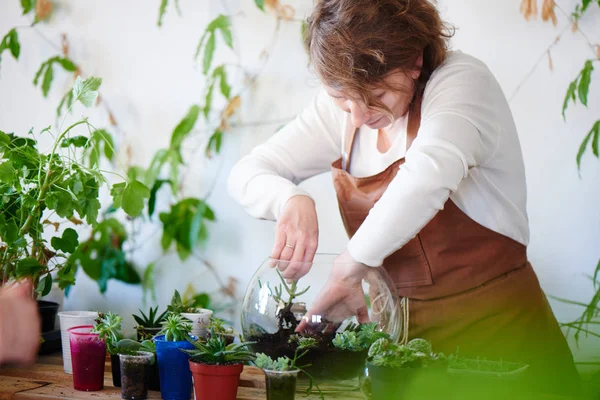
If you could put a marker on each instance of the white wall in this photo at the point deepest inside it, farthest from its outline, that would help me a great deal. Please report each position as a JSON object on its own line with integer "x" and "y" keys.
{"x": 150, "y": 79}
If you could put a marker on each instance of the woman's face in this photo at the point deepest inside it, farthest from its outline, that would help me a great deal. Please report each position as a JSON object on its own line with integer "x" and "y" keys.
{"x": 397, "y": 100}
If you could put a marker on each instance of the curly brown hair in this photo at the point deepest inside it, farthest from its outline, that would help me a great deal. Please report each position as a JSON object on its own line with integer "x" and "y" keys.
{"x": 354, "y": 44}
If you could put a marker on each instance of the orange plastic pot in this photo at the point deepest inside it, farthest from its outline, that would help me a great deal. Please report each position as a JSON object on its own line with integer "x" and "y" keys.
{"x": 216, "y": 382}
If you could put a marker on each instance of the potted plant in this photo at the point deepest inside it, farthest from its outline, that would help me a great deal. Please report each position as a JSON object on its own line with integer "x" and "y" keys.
{"x": 217, "y": 326}
{"x": 129, "y": 346}
{"x": 174, "y": 371}
{"x": 108, "y": 327}
{"x": 34, "y": 182}
{"x": 135, "y": 371}
{"x": 149, "y": 325}
{"x": 200, "y": 317}
{"x": 401, "y": 371}
{"x": 216, "y": 367}
{"x": 281, "y": 375}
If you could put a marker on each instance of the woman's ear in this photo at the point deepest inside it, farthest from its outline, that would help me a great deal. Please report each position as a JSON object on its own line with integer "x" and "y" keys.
{"x": 416, "y": 73}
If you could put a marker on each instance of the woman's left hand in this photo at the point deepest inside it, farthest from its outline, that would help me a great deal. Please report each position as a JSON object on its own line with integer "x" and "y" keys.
{"x": 341, "y": 297}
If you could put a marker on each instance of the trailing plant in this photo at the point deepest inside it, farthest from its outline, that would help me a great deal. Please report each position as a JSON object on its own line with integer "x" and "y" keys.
{"x": 108, "y": 327}
{"x": 415, "y": 354}
{"x": 175, "y": 328}
{"x": 216, "y": 351}
{"x": 152, "y": 320}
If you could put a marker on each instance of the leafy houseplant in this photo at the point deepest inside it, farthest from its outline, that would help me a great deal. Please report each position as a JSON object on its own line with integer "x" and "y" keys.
{"x": 174, "y": 371}
{"x": 108, "y": 327}
{"x": 149, "y": 325}
{"x": 282, "y": 374}
{"x": 216, "y": 366}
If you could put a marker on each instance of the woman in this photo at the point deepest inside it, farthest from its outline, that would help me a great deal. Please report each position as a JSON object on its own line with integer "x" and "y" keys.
{"x": 430, "y": 181}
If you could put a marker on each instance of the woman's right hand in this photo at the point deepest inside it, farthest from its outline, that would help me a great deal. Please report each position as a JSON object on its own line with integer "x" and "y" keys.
{"x": 296, "y": 237}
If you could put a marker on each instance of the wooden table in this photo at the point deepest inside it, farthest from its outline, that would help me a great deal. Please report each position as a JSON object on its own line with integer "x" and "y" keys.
{"x": 46, "y": 380}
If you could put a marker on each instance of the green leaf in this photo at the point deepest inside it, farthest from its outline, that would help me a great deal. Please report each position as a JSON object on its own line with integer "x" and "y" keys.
{"x": 67, "y": 64}
{"x": 208, "y": 100}
{"x": 161, "y": 11}
{"x": 148, "y": 280}
{"x": 61, "y": 202}
{"x": 584, "y": 144}
{"x": 44, "y": 285}
{"x": 117, "y": 193}
{"x": 196, "y": 223}
{"x": 595, "y": 139}
{"x": 184, "y": 127}
{"x": 77, "y": 141}
{"x": 159, "y": 159}
{"x": 126, "y": 273}
{"x": 86, "y": 91}
{"x": 200, "y": 43}
{"x": 223, "y": 23}
{"x": 153, "y": 192}
{"x": 260, "y": 4}
{"x": 67, "y": 243}
{"x": 174, "y": 162}
{"x": 133, "y": 198}
{"x": 27, "y": 5}
{"x": 214, "y": 143}
{"x": 67, "y": 100}
{"x": 39, "y": 73}
{"x": 92, "y": 206}
{"x": 584, "y": 82}
{"x": 221, "y": 74}
{"x": 28, "y": 267}
{"x": 209, "y": 214}
{"x": 7, "y": 172}
{"x": 48, "y": 77}
{"x": 14, "y": 45}
{"x": 209, "y": 52}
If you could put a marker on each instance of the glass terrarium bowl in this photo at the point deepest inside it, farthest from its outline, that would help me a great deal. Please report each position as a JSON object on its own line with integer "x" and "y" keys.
{"x": 270, "y": 316}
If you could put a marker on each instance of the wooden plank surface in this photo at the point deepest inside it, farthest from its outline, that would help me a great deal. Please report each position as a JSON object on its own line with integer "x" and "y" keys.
{"x": 47, "y": 380}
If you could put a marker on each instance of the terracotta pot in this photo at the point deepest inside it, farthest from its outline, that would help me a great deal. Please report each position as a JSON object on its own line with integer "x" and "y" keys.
{"x": 216, "y": 382}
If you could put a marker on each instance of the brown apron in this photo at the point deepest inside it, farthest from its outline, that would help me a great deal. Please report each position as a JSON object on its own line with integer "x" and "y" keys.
{"x": 469, "y": 288}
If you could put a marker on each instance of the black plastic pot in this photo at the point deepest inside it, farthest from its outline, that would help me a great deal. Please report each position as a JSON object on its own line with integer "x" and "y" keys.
{"x": 115, "y": 366}
{"x": 153, "y": 376}
{"x": 144, "y": 333}
{"x": 47, "y": 311}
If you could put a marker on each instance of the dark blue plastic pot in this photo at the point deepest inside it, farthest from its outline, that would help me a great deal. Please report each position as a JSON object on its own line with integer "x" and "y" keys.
{"x": 174, "y": 369}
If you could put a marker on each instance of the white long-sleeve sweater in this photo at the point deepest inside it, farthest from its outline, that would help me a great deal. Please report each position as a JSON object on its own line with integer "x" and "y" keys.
{"x": 467, "y": 149}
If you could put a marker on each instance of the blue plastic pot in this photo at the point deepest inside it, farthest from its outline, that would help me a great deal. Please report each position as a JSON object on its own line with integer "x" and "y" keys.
{"x": 174, "y": 369}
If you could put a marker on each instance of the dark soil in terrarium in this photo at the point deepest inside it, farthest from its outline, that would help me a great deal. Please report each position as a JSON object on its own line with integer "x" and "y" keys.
{"x": 326, "y": 361}
{"x": 134, "y": 376}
